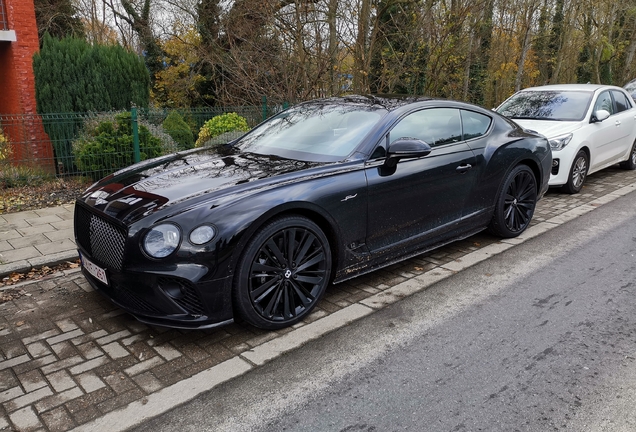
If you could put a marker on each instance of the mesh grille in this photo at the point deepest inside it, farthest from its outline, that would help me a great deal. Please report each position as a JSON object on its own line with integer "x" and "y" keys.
{"x": 130, "y": 300}
{"x": 104, "y": 241}
{"x": 190, "y": 300}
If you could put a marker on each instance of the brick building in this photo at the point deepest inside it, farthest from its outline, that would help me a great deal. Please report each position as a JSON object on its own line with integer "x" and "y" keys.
{"x": 18, "y": 43}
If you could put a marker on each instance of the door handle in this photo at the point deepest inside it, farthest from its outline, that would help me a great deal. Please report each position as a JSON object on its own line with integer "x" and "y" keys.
{"x": 463, "y": 168}
{"x": 618, "y": 123}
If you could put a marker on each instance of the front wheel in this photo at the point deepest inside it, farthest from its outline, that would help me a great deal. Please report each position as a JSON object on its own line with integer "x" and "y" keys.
{"x": 578, "y": 174}
{"x": 630, "y": 164}
{"x": 283, "y": 272}
{"x": 515, "y": 204}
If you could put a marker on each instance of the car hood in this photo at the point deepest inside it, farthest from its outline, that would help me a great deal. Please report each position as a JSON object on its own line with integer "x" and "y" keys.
{"x": 549, "y": 128}
{"x": 185, "y": 178}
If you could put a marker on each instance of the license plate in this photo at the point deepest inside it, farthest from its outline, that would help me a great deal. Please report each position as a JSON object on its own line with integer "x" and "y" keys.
{"x": 98, "y": 272}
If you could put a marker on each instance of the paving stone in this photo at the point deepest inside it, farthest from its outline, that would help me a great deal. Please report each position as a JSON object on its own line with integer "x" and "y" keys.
{"x": 59, "y": 234}
{"x": 25, "y": 420}
{"x": 90, "y": 350}
{"x": 9, "y": 234}
{"x": 56, "y": 246}
{"x": 119, "y": 382}
{"x": 64, "y": 336}
{"x": 58, "y": 420}
{"x": 143, "y": 366}
{"x": 89, "y": 337}
{"x": 64, "y": 350}
{"x": 32, "y": 381}
{"x": 58, "y": 399}
{"x": 61, "y": 381}
{"x": 31, "y": 240}
{"x": 27, "y": 399}
{"x": 66, "y": 325}
{"x": 4, "y": 424}
{"x": 120, "y": 400}
{"x": 14, "y": 361}
{"x": 148, "y": 382}
{"x": 86, "y": 366}
{"x": 40, "y": 336}
{"x": 38, "y": 349}
{"x": 113, "y": 337}
{"x": 115, "y": 350}
{"x": 167, "y": 352}
{"x": 62, "y": 364}
{"x": 34, "y": 364}
{"x": 11, "y": 393}
{"x": 90, "y": 382}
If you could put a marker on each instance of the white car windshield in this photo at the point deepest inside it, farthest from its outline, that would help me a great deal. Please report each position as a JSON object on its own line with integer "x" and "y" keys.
{"x": 547, "y": 105}
{"x": 313, "y": 132}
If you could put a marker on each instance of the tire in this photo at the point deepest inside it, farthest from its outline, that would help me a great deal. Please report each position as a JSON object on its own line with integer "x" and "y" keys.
{"x": 578, "y": 173}
{"x": 630, "y": 164}
{"x": 515, "y": 203}
{"x": 283, "y": 273}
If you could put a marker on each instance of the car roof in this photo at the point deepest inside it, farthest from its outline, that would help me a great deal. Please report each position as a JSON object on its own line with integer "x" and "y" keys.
{"x": 389, "y": 102}
{"x": 571, "y": 87}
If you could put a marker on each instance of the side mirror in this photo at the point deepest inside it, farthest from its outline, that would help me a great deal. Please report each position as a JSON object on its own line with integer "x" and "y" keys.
{"x": 599, "y": 116}
{"x": 408, "y": 148}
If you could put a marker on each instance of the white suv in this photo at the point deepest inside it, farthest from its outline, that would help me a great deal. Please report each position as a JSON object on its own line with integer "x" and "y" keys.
{"x": 589, "y": 126}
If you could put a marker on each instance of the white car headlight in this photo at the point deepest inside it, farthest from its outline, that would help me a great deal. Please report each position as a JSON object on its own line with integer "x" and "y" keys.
{"x": 162, "y": 240}
{"x": 202, "y": 234}
{"x": 559, "y": 142}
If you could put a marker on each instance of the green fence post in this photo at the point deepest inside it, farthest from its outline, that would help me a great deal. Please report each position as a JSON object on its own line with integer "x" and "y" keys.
{"x": 264, "y": 108}
{"x": 135, "y": 131}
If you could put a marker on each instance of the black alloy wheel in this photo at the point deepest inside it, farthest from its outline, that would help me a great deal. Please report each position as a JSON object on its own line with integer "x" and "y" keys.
{"x": 284, "y": 271}
{"x": 630, "y": 164}
{"x": 515, "y": 204}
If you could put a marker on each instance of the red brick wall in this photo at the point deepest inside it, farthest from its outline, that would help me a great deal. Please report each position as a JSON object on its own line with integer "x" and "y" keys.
{"x": 17, "y": 86}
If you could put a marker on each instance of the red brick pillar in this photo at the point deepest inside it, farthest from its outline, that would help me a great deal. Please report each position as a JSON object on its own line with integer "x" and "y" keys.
{"x": 30, "y": 143}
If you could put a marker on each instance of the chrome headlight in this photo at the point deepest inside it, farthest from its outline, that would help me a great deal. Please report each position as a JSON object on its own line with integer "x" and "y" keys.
{"x": 559, "y": 142}
{"x": 162, "y": 240}
{"x": 202, "y": 234}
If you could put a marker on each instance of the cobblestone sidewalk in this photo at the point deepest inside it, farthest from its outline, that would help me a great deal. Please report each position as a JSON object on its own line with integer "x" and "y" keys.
{"x": 69, "y": 359}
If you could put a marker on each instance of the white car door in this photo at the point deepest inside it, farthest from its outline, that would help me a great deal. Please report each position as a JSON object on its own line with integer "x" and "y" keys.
{"x": 606, "y": 138}
{"x": 626, "y": 115}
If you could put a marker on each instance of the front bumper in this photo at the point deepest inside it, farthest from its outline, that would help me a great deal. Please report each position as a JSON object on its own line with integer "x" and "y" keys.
{"x": 166, "y": 300}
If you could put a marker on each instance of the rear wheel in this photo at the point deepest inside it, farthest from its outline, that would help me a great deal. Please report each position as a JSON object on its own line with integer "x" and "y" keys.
{"x": 283, "y": 272}
{"x": 515, "y": 204}
{"x": 578, "y": 174}
{"x": 630, "y": 164}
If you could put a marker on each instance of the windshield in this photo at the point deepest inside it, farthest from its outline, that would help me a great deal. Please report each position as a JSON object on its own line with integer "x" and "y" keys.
{"x": 323, "y": 132}
{"x": 547, "y": 105}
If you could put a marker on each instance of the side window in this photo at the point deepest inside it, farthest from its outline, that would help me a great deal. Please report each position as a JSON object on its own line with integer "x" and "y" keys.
{"x": 622, "y": 103}
{"x": 474, "y": 124}
{"x": 604, "y": 102}
{"x": 435, "y": 126}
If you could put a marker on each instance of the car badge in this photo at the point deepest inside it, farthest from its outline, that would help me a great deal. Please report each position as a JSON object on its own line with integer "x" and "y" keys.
{"x": 348, "y": 197}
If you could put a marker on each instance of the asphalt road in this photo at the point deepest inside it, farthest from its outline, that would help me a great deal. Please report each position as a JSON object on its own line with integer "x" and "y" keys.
{"x": 539, "y": 338}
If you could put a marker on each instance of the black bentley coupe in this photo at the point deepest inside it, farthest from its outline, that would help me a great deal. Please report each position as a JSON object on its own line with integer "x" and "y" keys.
{"x": 320, "y": 193}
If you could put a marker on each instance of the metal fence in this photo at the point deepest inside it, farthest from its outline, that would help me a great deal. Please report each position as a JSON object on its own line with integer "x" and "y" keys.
{"x": 4, "y": 25}
{"x": 96, "y": 144}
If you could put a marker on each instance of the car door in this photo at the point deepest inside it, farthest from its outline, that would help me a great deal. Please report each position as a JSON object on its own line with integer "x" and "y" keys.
{"x": 419, "y": 199}
{"x": 608, "y": 136}
{"x": 626, "y": 116}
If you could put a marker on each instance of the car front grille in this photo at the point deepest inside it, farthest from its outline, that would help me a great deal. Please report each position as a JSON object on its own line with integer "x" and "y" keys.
{"x": 104, "y": 241}
{"x": 127, "y": 298}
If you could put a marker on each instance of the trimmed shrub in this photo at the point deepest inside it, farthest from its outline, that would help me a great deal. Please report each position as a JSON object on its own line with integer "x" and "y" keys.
{"x": 108, "y": 146}
{"x": 229, "y": 122}
{"x": 72, "y": 75}
{"x": 178, "y": 129}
